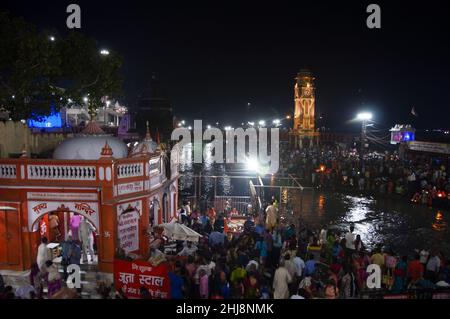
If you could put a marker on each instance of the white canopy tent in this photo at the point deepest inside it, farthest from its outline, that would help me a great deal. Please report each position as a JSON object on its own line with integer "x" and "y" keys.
{"x": 177, "y": 231}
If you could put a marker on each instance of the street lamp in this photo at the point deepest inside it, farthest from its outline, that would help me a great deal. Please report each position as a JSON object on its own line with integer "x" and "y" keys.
{"x": 252, "y": 165}
{"x": 104, "y": 52}
{"x": 52, "y": 38}
{"x": 276, "y": 122}
{"x": 262, "y": 123}
{"x": 364, "y": 117}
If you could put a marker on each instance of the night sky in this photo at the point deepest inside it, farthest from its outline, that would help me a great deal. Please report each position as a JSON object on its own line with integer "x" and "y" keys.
{"x": 215, "y": 57}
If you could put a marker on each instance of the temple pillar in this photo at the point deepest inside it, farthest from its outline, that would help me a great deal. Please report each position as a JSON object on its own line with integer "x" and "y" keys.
{"x": 107, "y": 238}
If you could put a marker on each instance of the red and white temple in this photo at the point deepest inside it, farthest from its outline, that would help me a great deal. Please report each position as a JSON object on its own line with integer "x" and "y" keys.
{"x": 96, "y": 176}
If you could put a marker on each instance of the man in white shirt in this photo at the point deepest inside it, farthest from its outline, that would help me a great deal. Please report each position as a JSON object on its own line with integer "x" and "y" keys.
{"x": 433, "y": 268}
{"x": 85, "y": 231}
{"x": 187, "y": 207}
{"x": 290, "y": 266}
{"x": 323, "y": 235}
{"x": 299, "y": 265}
{"x": 43, "y": 254}
{"x": 350, "y": 242}
{"x": 424, "y": 254}
{"x": 271, "y": 217}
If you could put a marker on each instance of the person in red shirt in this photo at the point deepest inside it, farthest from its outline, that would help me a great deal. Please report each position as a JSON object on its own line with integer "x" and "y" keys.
{"x": 415, "y": 269}
{"x": 212, "y": 215}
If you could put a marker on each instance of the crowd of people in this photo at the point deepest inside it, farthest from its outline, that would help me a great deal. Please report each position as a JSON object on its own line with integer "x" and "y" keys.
{"x": 421, "y": 179}
{"x": 268, "y": 259}
{"x": 272, "y": 260}
{"x": 45, "y": 274}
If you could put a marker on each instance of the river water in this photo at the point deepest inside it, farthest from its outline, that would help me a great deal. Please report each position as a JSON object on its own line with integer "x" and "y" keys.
{"x": 390, "y": 221}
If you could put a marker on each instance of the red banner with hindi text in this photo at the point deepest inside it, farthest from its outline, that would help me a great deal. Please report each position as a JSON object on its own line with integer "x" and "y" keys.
{"x": 130, "y": 276}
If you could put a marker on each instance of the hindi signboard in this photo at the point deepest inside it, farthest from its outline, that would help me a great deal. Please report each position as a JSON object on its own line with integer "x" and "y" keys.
{"x": 128, "y": 228}
{"x": 130, "y": 276}
{"x": 38, "y": 208}
{"x": 63, "y": 196}
{"x": 128, "y": 188}
{"x": 420, "y": 146}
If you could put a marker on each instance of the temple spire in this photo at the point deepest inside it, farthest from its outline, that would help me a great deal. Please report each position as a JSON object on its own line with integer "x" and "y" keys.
{"x": 24, "y": 152}
{"x": 106, "y": 150}
{"x": 158, "y": 139}
{"x": 148, "y": 136}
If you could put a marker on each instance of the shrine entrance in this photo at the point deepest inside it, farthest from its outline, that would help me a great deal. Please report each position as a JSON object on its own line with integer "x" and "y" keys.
{"x": 63, "y": 223}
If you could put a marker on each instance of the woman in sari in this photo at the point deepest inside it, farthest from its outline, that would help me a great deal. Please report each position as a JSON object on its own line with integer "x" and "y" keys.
{"x": 400, "y": 275}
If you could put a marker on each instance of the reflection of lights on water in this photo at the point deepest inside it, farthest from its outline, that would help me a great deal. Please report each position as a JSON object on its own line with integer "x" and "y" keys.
{"x": 439, "y": 223}
{"x": 359, "y": 212}
{"x": 208, "y": 157}
{"x": 321, "y": 202}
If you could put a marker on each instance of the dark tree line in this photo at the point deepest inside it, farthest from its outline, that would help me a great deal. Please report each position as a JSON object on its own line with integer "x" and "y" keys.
{"x": 41, "y": 70}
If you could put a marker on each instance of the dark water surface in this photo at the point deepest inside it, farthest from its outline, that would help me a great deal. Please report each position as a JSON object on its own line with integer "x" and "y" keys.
{"x": 392, "y": 221}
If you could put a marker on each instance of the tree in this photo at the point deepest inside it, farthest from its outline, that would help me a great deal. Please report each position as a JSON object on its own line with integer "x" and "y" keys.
{"x": 91, "y": 75}
{"x": 39, "y": 74}
{"x": 29, "y": 68}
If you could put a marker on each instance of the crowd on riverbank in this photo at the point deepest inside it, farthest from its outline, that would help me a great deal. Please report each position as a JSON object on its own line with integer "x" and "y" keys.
{"x": 419, "y": 179}
{"x": 272, "y": 260}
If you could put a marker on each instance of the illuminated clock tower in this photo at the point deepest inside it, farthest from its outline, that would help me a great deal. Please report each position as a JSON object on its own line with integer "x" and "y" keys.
{"x": 304, "y": 102}
{"x": 304, "y": 110}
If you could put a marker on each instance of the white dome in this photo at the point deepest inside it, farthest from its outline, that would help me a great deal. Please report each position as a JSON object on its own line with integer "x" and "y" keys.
{"x": 89, "y": 147}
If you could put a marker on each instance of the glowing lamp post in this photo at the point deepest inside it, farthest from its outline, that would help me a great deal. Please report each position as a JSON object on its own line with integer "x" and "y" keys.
{"x": 364, "y": 117}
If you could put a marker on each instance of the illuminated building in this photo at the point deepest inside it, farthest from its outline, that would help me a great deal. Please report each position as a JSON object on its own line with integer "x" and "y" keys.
{"x": 304, "y": 111}
{"x": 94, "y": 175}
{"x": 402, "y": 134}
